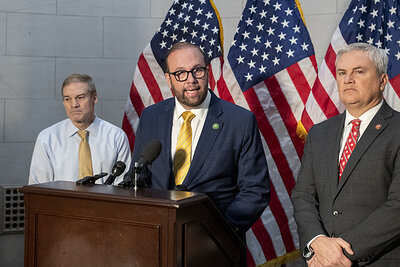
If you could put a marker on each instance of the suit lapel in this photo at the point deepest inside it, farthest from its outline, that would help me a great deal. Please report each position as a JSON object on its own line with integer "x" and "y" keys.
{"x": 376, "y": 126}
{"x": 164, "y": 133}
{"x": 333, "y": 157}
{"x": 211, "y": 129}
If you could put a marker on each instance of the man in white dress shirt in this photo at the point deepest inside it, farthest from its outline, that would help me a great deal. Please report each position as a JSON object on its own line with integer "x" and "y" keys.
{"x": 55, "y": 156}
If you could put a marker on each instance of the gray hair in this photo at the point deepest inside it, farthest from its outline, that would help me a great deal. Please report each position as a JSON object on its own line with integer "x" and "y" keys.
{"x": 83, "y": 78}
{"x": 378, "y": 56}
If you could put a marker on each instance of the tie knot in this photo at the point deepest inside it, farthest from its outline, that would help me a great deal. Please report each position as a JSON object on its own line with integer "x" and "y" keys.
{"x": 356, "y": 123}
{"x": 83, "y": 134}
{"x": 188, "y": 116}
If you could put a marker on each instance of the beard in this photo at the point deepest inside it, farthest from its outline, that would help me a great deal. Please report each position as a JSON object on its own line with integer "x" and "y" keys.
{"x": 190, "y": 102}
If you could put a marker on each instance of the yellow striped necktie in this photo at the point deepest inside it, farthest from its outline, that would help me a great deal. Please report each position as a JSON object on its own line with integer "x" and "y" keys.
{"x": 182, "y": 158}
{"x": 85, "y": 157}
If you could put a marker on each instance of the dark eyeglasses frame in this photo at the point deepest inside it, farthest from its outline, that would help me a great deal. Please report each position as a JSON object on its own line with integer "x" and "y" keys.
{"x": 180, "y": 72}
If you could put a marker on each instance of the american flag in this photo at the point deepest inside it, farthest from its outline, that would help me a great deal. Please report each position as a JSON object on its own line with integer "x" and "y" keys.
{"x": 195, "y": 21}
{"x": 375, "y": 22}
{"x": 270, "y": 70}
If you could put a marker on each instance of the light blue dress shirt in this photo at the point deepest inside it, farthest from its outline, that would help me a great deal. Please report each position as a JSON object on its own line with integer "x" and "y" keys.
{"x": 55, "y": 156}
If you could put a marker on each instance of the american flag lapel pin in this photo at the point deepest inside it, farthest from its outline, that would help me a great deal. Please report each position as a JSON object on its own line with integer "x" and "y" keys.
{"x": 378, "y": 126}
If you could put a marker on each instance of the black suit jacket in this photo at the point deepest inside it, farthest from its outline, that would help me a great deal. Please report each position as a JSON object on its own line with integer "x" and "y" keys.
{"x": 228, "y": 165}
{"x": 364, "y": 207}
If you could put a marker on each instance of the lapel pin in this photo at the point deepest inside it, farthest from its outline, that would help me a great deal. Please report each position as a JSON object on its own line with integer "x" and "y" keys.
{"x": 215, "y": 126}
{"x": 378, "y": 126}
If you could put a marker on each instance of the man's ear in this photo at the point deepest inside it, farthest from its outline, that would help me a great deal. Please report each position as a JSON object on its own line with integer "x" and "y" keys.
{"x": 94, "y": 96}
{"x": 168, "y": 77}
{"x": 384, "y": 80}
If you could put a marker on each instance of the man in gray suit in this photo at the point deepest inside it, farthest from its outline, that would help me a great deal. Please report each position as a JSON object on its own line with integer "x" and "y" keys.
{"x": 347, "y": 196}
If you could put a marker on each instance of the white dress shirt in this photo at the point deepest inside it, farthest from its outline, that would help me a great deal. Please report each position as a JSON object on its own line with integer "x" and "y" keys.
{"x": 55, "y": 156}
{"x": 197, "y": 123}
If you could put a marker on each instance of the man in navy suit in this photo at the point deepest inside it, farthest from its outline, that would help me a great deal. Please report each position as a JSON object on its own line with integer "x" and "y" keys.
{"x": 348, "y": 214}
{"x": 227, "y": 158}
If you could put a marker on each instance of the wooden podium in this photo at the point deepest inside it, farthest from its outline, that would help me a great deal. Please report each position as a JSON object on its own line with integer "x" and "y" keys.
{"x": 101, "y": 225}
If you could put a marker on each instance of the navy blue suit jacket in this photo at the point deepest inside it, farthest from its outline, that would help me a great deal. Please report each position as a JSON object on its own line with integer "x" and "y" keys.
{"x": 228, "y": 165}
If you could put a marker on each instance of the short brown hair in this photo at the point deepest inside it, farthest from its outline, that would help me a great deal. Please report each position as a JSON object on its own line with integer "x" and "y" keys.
{"x": 181, "y": 45}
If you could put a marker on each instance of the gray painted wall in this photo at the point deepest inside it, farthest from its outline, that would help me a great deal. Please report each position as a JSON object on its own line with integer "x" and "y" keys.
{"x": 43, "y": 41}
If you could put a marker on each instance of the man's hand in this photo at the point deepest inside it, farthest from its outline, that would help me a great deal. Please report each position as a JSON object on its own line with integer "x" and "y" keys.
{"x": 329, "y": 251}
{"x": 314, "y": 262}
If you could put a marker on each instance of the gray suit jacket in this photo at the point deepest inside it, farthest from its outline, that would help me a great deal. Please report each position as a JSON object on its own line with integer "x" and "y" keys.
{"x": 364, "y": 207}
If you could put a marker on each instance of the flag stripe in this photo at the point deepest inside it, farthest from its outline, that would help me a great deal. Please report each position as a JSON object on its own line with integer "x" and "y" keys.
{"x": 126, "y": 126}
{"x": 281, "y": 220}
{"x": 264, "y": 239}
{"x": 271, "y": 139}
{"x": 223, "y": 91}
{"x": 284, "y": 197}
{"x": 283, "y": 167}
{"x": 214, "y": 72}
{"x": 330, "y": 59}
{"x": 285, "y": 112}
{"x": 136, "y": 100}
{"x": 255, "y": 254}
{"x": 299, "y": 80}
{"x": 395, "y": 86}
{"x": 250, "y": 260}
{"x": 149, "y": 79}
{"x": 323, "y": 100}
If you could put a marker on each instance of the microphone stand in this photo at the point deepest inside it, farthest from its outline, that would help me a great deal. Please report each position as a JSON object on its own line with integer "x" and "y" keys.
{"x": 137, "y": 178}
{"x": 137, "y": 170}
{"x": 127, "y": 182}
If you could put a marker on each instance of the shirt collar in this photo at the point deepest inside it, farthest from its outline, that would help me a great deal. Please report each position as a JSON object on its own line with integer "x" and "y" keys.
{"x": 93, "y": 128}
{"x": 200, "y": 111}
{"x": 366, "y": 117}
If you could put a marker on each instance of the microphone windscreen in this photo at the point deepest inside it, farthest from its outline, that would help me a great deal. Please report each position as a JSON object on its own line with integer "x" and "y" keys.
{"x": 118, "y": 168}
{"x": 151, "y": 151}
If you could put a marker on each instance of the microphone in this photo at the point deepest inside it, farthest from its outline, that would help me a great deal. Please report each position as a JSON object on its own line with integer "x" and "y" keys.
{"x": 117, "y": 170}
{"x": 91, "y": 179}
{"x": 149, "y": 154}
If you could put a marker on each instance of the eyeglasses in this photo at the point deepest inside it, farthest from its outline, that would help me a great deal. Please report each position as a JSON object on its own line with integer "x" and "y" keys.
{"x": 182, "y": 75}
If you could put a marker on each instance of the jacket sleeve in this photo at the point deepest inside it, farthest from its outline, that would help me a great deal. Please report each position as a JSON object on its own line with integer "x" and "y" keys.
{"x": 253, "y": 180}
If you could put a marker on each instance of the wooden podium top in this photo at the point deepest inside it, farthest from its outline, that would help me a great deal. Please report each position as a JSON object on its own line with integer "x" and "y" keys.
{"x": 114, "y": 193}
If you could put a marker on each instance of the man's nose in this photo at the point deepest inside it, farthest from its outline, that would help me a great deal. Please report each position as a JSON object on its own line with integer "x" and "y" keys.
{"x": 191, "y": 77}
{"x": 74, "y": 103}
{"x": 348, "y": 78}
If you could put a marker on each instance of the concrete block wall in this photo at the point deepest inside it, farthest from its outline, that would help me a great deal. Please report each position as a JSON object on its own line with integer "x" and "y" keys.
{"x": 43, "y": 41}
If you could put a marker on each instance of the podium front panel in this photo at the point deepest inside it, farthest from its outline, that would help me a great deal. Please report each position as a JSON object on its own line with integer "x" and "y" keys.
{"x": 64, "y": 240}
{"x": 97, "y": 225}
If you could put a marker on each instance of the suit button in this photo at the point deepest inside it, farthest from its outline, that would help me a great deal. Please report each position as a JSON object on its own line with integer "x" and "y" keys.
{"x": 335, "y": 213}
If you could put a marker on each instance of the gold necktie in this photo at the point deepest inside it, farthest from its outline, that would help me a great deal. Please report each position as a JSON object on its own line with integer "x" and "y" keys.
{"x": 85, "y": 157}
{"x": 183, "y": 152}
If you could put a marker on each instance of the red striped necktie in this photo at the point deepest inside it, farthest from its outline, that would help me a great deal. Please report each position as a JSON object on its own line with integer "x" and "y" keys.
{"x": 350, "y": 145}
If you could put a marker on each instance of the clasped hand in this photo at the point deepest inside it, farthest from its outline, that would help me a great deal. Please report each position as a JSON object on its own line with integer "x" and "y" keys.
{"x": 329, "y": 252}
